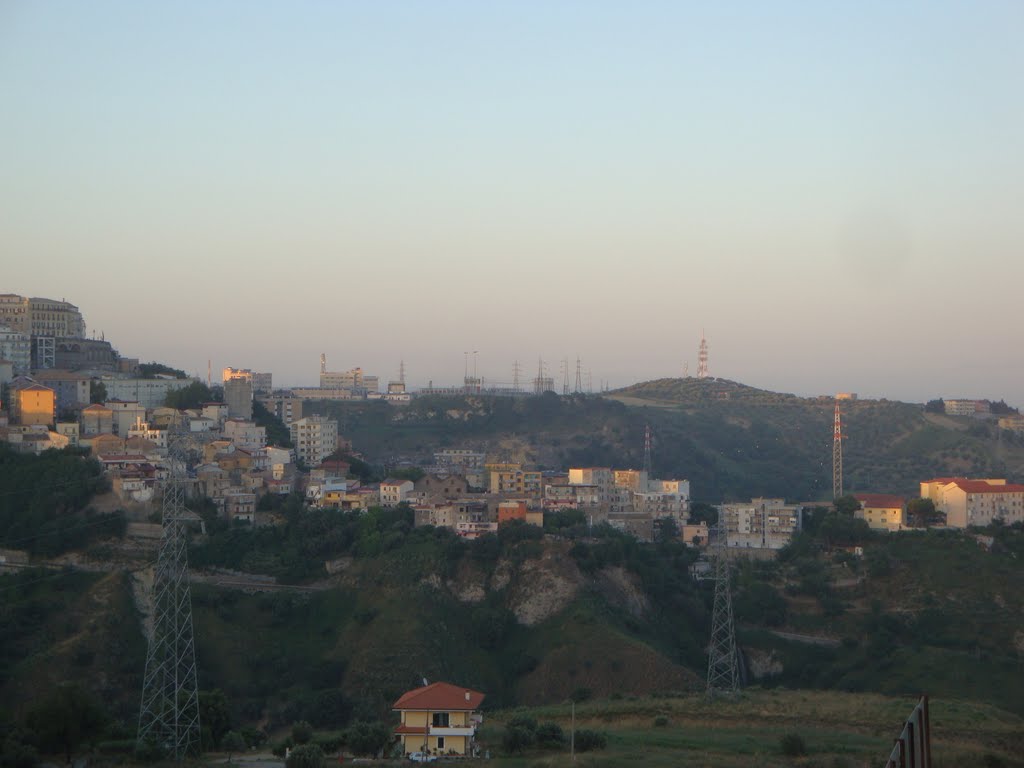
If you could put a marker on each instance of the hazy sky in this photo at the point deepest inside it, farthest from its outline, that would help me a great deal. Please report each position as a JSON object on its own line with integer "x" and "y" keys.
{"x": 832, "y": 190}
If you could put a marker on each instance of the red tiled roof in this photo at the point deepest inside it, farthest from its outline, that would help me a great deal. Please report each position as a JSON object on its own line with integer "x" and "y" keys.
{"x": 980, "y": 486}
{"x": 440, "y": 697}
{"x": 945, "y": 479}
{"x": 879, "y": 500}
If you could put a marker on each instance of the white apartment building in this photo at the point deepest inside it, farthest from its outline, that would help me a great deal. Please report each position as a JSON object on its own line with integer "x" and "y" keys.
{"x": 245, "y": 434}
{"x": 761, "y": 524}
{"x": 315, "y": 438}
{"x": 965, "y": 407}
{"x": 975, "y": 502}
{"x": 354, "y": 381}
{"x": 149, "y": 393}
{"x": 393, "y": 492}
{"x": 124, "y": 415}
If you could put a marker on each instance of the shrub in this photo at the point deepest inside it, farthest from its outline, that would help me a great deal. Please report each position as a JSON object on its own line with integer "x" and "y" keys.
{"x": 587, "y": 740}
{"x": 305, "y": 756}
{"x": 660, "y": 721}
{"x": 517, "y": 738}
{"x": 792, "y": 745}
{"x": 550, "y": 735}
{"x": 302, "y": 732}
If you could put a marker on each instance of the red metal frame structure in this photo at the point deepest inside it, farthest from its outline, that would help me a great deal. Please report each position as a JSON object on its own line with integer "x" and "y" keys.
{"x": 913, "y": 748}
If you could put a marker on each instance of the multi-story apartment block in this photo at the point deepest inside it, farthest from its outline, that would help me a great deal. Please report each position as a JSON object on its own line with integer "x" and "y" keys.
{"x": 315, "y": 438}
{"x": 881, "y": 511}
{"x": 287, "y": 409}
{"x": 459, "y": 459}
{"x": 125, "y": 414}
{"x": 761, "y": 524}
{"x": 149, "y": 393}
{"x": 394, "y": 491}
{"x": 72, "y": 388}
{"x": 245, "y": 434}
{"x": 261, "y": 382}
{"x": 96, "y": 419}
{"x": 965, "y": 407}
{"x": 32, "y": 404}
{"x": 1014, "y": 422}
{"x": 238, "y": 396}
{"x": 355, "y": 381}
{"x": 512, "y": 478}
{"x": 633, "y": 479}
{"x": 15, "y": 347}
{"x": 975, "y": 502}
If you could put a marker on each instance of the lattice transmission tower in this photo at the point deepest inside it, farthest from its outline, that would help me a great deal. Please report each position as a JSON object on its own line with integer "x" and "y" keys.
{"x": 702, "y": 357}
{"x": 647, "y": 451}
{"x": 169, "y": 714}
{"x": 723, "y": 663}
{"x": 837, "y": 455}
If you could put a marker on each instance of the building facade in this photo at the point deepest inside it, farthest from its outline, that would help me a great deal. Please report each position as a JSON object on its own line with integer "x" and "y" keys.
{"x": 439, "y": 719}
{"x": 315, "y": 438}
{"x": 761, "y": 524}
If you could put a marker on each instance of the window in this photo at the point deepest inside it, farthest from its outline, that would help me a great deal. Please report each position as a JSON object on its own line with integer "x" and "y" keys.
{"x": 440, "y": 742}
{"x": 440, "y": 720}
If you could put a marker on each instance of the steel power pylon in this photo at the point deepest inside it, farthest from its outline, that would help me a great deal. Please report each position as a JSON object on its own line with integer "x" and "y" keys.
{"x": 723, "y": 664}
{"x": 169, "y": 714}
{"x": 837, "y": 455}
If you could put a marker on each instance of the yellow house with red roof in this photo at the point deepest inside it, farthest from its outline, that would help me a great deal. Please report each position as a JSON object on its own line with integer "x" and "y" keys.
{"x": 440, "y": 719}
{"x": 881, "y": 511}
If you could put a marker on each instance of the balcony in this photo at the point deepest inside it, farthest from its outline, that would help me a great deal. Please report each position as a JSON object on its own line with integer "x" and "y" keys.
{"x": 466, "y": 730}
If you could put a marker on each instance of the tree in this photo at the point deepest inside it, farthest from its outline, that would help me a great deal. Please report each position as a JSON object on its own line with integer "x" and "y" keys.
{"x": 935, "y": 406}
{"x": 367, "y": 738}
{"x": 305, "y": 756}
{"x": 231, "y": 743}
{"x": 302, "y": 732}
{"x": 214, "y": 718}
{"x": 846, "y": 505}
{"x": 700, "y": 511}
{"x": 191, "y": 396}
{"x": 67, "y": 718}
{"x": 97, "y": 392}
{"x": 666, "y": 529}
{"x": 921, "y": 512}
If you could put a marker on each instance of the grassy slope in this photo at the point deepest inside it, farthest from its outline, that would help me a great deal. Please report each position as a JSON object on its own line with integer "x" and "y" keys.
{"x": 839, "y": 729}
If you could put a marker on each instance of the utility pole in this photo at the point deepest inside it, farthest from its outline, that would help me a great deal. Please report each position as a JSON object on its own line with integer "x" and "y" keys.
{"x": 169, "y": 713}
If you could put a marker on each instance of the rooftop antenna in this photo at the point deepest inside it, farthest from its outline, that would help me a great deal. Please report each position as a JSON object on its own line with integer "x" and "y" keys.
{"x": 702, "y": 357}
{"x": 323, "y": 362}
{"x": 837, "y": 454}
{"x": 723, "y": 666}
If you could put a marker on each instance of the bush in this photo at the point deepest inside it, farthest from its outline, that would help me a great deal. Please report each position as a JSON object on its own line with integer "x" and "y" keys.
{"x": 517, "y": 738}
{"x": 587, "y": 740}
{"x": 549, "y": 735}
{"x": 305, "y": 756}
{"x": 302, "y": 732}
{"x": 367, "y": 738}
{"x": 792, "y": 745}
{"x": 660, "y": 721}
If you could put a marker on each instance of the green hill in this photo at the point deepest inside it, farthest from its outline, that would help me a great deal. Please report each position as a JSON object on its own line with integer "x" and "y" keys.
{"x": 730, "y": 440}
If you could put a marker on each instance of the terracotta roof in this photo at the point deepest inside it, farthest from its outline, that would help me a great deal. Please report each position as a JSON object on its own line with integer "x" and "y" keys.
{"x": 945, "y": 479}
{"x": 879, "y": 500}
{"x": 440, "y": 697}
{"x": 980, "y": 486}
{"x": 96, "y": 407}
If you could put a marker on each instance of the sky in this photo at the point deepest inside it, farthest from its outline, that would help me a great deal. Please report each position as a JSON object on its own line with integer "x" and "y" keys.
{"x": 830, "y": 192}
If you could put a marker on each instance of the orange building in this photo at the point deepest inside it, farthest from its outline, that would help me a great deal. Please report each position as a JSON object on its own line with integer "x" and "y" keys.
{"x": 32, "y": 404}
{"x": 511, "y": 510}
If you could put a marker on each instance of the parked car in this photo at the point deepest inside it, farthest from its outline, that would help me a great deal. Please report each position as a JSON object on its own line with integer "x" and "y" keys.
{"x": 422, "y": 757}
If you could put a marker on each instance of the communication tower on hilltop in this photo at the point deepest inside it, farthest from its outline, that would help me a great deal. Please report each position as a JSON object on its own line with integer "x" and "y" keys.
{"x": 169, "y": 714}
{"x": 837, "y": 455}
{"x": 686, "y": 370}
{"x": 401, "y": 372}
{"x": 579, "y": 376}
{"x": 702, "y": 357}
{"x": 515, "y": 376}
{"x": 723, "y": 663}
{"x": 647, "y": 450}
{"x": 565, "y": 375}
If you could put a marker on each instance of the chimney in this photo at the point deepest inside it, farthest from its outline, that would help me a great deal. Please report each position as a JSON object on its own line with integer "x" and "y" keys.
{"x": 467, "y": 695}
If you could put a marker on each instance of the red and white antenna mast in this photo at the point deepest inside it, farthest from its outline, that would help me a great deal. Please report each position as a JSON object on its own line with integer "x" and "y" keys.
{"x": 702, "y": 357}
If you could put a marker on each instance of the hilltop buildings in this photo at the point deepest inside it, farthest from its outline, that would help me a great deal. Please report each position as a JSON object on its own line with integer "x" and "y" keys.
{"x": 967, "y": 502}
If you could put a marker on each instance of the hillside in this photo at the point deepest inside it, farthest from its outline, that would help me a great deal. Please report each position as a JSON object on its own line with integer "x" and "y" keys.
{"x": 731, "y": 441}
